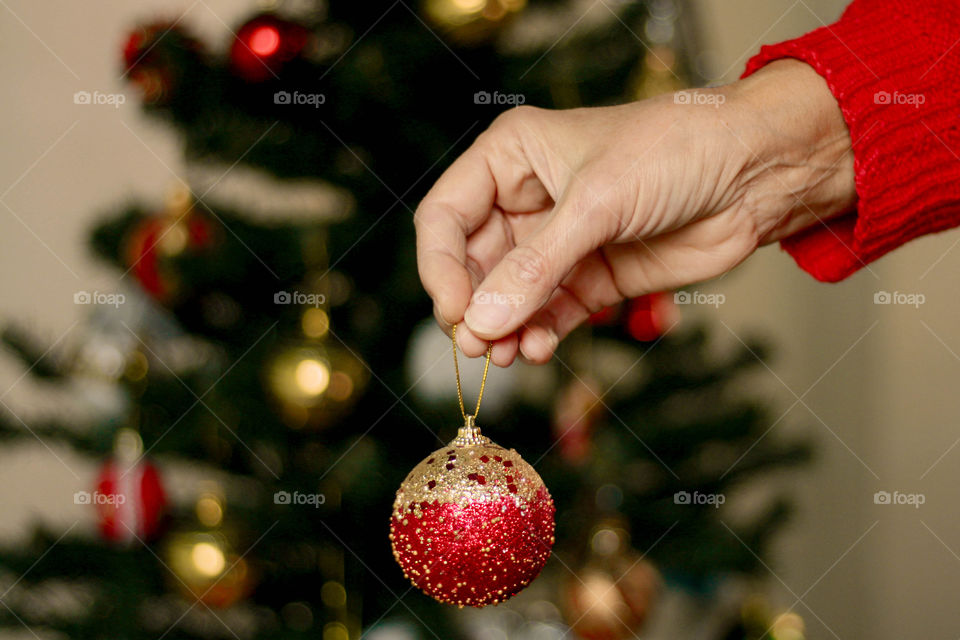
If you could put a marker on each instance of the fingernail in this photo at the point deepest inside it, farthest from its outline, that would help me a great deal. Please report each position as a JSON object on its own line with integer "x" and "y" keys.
{"x": 486, "y": 317}
{"x": 546, "y": 340}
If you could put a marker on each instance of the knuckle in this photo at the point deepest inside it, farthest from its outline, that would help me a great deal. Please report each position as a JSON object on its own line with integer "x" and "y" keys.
{"x": 516, "y": 115}
{"x": 418, "y": 218}
{"x": 528, "y": 265}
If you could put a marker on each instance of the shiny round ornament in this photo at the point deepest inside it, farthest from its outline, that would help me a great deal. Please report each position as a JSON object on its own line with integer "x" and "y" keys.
{"x": 611, "y": 597}
{"x": 129, "y": 495}
{"x": 153, "y": 245}
{"x": 473, "y": 523}
{"x": 471, "y": 21}
{"x": 208, "y": 568}
{"x": 161, "y": 59}
{"x": 265, "y": 44}
{"x": 205, "y": 561}
{"x": 314, "y": 383}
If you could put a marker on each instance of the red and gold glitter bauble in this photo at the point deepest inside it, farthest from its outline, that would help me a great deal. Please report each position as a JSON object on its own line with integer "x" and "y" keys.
{"x": 473, "y": 523}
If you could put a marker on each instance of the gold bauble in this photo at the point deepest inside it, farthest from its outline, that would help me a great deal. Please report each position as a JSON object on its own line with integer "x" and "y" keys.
{"x": 610, "y": 597}
{"x": 471, "y": 21}
{"x": 207, "y": 568}
{"x": 657, "y": 74}
{"x": 314, "y": 383}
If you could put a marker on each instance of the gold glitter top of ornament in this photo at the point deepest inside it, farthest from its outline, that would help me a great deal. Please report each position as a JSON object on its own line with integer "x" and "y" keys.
{"x": 470, "y": 468}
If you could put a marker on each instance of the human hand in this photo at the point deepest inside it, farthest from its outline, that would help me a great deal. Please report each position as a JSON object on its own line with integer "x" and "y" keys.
{"x": 552, "y": 215}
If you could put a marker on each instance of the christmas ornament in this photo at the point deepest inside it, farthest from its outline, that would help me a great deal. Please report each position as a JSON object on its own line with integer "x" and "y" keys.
{"x": 157, "y": 57}
{"x": 578, "y": 407}
{"x": 264, "y": 44}
{"x": 645, "y": 318}
{"x": 756, "y": 618}
{"x": 657, "y": 74}
{"x": 471, "y": 21}
{"x": 205, "y": 561}
{"x": 649, "y": 316}
{"x": 151, "y": 245}
{"x": 315, "y": 382}
{"x": 611, "y": 596}
{"x": 472, "y": 524}
{"x": 129, "y": 495}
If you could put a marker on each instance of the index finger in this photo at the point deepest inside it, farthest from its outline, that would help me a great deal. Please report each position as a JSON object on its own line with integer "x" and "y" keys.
{"x": 455, "y": 207}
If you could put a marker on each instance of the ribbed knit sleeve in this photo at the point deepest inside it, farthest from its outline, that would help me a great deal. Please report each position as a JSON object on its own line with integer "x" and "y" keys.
{"x": 894, "y": 68}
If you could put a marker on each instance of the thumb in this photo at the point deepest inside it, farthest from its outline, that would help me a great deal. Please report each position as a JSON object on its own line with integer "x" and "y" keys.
{"x": 525, "y": 278}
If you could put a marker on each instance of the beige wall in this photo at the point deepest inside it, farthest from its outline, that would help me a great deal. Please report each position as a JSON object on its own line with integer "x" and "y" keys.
{"x": 891, "y": 401}
{"x": 888, "y": 404}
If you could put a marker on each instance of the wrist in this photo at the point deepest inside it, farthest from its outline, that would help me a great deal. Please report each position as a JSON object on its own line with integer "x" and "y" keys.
{"x": 800, "y": 165}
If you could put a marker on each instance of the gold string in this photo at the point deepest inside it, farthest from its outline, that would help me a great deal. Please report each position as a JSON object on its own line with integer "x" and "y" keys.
{"x": 456, "y": 368}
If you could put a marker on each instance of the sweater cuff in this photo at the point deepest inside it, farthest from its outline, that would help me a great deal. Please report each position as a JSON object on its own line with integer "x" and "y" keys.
{"x": 902, "y": 125}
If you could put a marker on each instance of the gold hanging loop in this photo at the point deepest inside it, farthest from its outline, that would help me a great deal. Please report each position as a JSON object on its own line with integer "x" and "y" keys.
{"x": 468, "y": 419}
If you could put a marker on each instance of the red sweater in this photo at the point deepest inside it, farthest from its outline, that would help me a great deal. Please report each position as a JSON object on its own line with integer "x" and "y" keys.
{"x": 894, "y": 68}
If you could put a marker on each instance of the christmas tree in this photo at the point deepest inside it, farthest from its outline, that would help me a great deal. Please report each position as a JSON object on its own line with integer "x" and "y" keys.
{"x": 269, "y": 346}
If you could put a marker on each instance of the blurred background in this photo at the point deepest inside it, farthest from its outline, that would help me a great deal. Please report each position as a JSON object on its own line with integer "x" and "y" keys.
{"x": 208, "y": 263}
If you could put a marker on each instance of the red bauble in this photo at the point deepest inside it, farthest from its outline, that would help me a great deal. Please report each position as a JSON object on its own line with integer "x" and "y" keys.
{"x": 130, "y": 500}
{"x": 152, "y": 243}
{"x": 264, "y": 44}
{"x": 576, "y": 412}
{"x": 473, "y": 523}
{"x": 645, "y": 318}
{"x": 649, "y": 316}
{"x": 155, "y": 56}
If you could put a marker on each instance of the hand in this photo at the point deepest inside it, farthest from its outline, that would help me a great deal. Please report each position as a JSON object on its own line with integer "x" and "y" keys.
{"x": 552, "y": 215}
